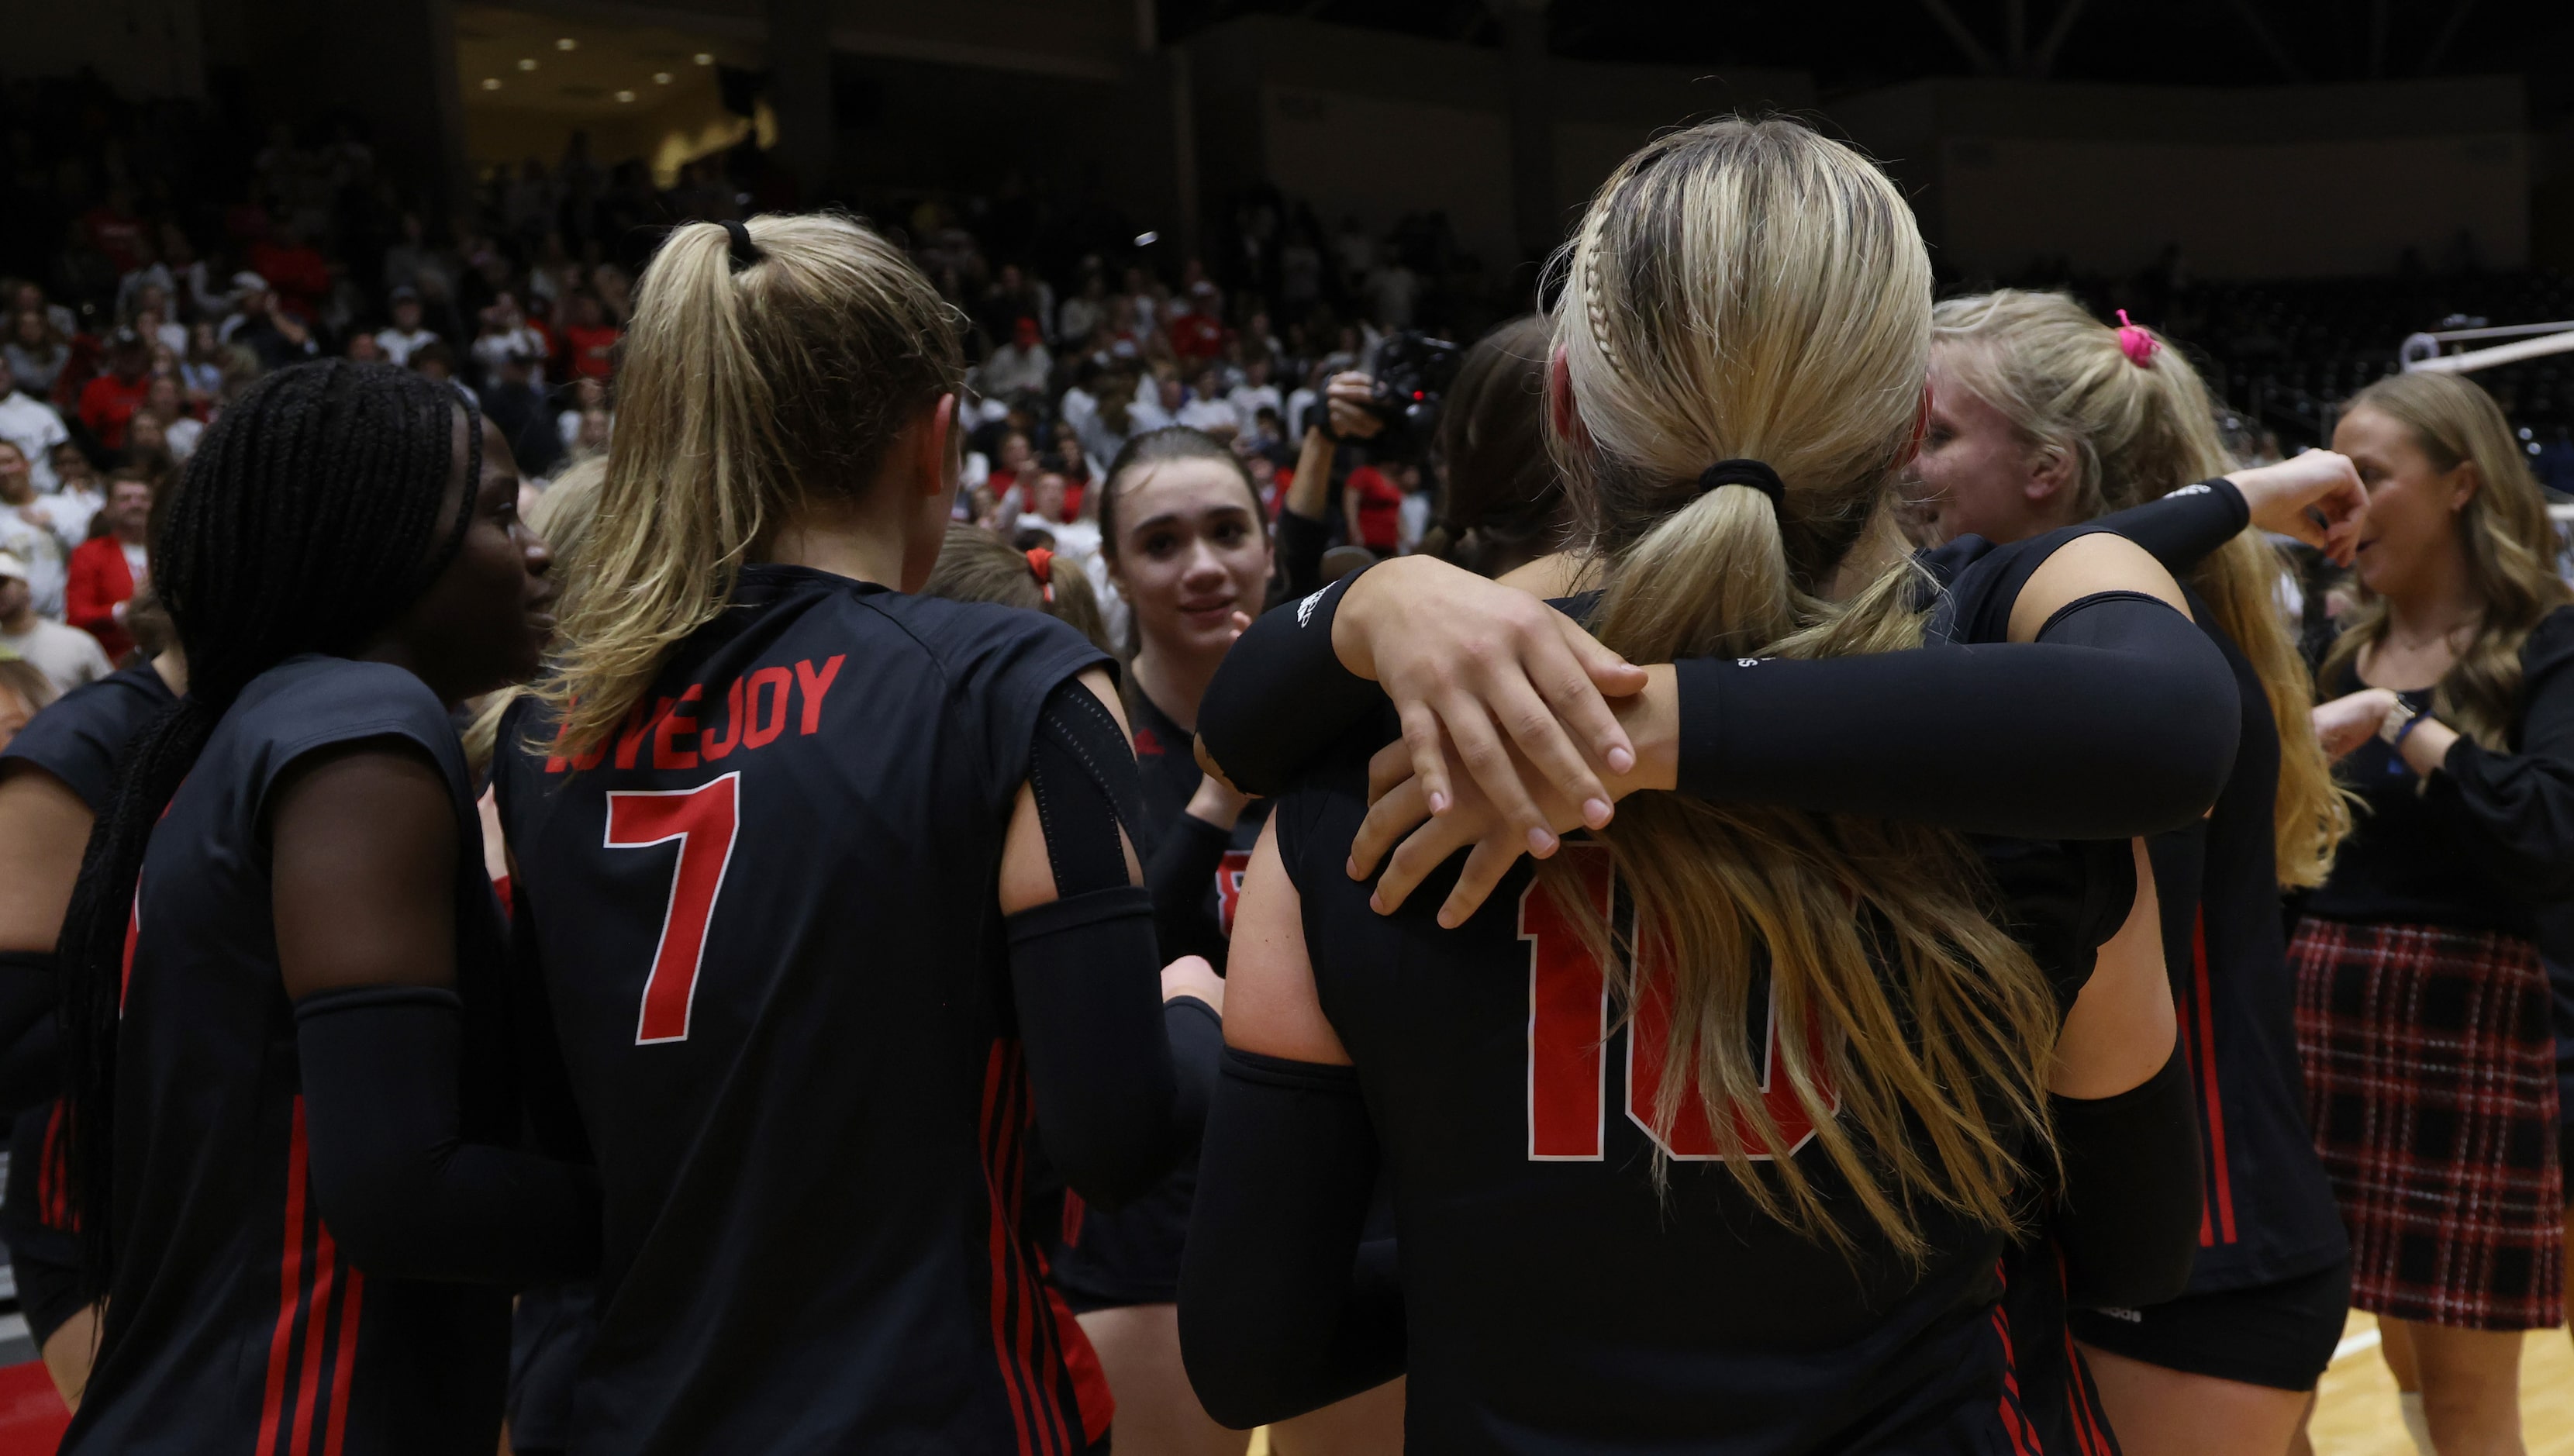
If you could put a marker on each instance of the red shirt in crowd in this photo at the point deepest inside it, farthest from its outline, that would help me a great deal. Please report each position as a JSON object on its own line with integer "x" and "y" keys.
{"x": 107, "y": 402}
{"x": 1380, "y": 508}
{"x": 98, "y": 578}
{"x": 298, "y": 275}
{"x": 591, "y": 353}
{"x": 1197, "y": 336}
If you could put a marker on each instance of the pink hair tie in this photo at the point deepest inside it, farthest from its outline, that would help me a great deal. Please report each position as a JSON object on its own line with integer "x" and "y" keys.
{"x": 2137, "y": 342}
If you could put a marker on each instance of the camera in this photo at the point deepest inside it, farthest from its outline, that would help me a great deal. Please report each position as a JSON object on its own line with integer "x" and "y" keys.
{"x": 1414, "y": 372}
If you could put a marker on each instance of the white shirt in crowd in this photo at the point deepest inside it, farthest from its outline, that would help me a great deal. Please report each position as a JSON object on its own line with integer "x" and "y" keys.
{"x": 31, "y": 425}
{"x": 494, "y": 350}
{"x": 182, "y": 436}
{"x": 1077, "y": 317}
{"x": 1250, "y": 400}
{"x": 399, "y": 346}
{"x": 1012, "y": 370}
{"x": 1411, "y": 521}
{"x": 67, "y": 656}
{"x": 1211, "y": 415}
{"x": 138, "y": 562}
{"x": 67, "y": 513}
{"x": 35, "y": 546}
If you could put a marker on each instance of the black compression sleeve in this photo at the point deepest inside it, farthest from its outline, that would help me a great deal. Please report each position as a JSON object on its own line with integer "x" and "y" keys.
{"x": 2132, "y": 1203}
{"x": 1282, "y": 695}
{"x": 1082, "y": 774}
{"x": 1185, "y": 861}
{"x": 28, "y": 986}
{"x": 1276, "y": 1316}
{"x": 1197, "y": 1054}
{"x": 1085, "y": 977}
{"x": 2185, "y": 528}
{"x": 2119, "y": 720}
{"x": 404, "y": 1191}
{"x": 1302, "y": 541}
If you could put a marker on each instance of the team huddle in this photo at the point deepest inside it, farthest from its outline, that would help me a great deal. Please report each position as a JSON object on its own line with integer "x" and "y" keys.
{"x": 833, "y": 999}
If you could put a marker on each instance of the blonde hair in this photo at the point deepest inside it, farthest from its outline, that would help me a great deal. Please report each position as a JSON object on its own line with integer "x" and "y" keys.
{"x": 1751, "y": 290}
{"x": 562, "y": 516}
{"x": 2510, "y": 543}
{"x": 746, "y": 392}
{"x": 2135, "y": 433}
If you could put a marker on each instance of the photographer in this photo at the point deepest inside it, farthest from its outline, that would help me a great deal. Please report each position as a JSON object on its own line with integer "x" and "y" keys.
{"x": 1304, "y": 527}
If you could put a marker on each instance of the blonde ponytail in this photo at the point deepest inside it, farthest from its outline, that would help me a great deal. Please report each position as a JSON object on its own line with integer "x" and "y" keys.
{"x": 1749, "y": 290}
{"x": 2136, "y": 431}
{"x": 746, "y": 392}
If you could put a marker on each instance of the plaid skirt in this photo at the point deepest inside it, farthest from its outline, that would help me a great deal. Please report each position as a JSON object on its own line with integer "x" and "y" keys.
{"x": 2431, "y": 1076}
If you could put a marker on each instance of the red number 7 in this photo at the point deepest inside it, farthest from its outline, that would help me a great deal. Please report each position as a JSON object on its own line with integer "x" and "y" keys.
{"x": 702, "y": 819}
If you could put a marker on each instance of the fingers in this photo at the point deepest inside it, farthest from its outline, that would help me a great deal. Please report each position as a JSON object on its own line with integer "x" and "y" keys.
{"x": 1424, "y": 851}
{"x": 1533, "y": 725}
{"x": 1387, "y": 822}
{"x": 1387, "y": 767}
{"x": 1491, "y": 859}
{"x": 1488, "y": 761}
{"x": 1422, "y": 738}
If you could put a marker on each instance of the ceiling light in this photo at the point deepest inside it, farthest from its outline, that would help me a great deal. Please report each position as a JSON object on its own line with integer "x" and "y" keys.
{"x": 490, "y": 83}
{"x": 625, "y": 95}
{"x": 567, "y": 44}
{"x": 705, "y": 58}
{"x": 660, "y": 78}
{"x": 526, "y": 63}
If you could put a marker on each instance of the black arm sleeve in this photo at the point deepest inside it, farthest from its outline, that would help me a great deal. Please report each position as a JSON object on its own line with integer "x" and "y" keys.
{"x": 1301, "y": 543}
{"x": 1282, "y": 696}
{"x": 2185, "y": 528}
{"x": 1085, "y": 972}
{"x": 2132, "y": 1203}
{"x": 2120, "y": 719}
{"x": 1183, "y": 865}
{"x": 1085, "y": 975}
{"x": 1279, "y": 1314}
{"x": 408, "y": 1196}
{"x": 2522, "y": 804}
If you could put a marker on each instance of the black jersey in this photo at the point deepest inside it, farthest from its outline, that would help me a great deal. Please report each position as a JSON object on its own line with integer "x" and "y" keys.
{"x": 234, "y": 1321}
{"x": 2269, "y": 1212}
{"x": 767, "y": 917}
{"x": 80, "y": 737}
{"x": 1556, "y": 1301}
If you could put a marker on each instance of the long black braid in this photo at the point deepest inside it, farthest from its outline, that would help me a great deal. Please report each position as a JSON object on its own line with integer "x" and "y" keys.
{"x": 309, "y": 518}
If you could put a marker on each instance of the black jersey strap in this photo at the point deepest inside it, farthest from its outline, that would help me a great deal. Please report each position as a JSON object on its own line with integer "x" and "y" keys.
{"x": 2131, "y": 1202}
{"x": 1282, "y": 1311}
{"x": 1082, "y": 771}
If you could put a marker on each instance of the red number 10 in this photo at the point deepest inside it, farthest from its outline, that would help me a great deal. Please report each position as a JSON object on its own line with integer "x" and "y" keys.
{"x": 702, "y": 819}
{"x": 1569, "y": 1011}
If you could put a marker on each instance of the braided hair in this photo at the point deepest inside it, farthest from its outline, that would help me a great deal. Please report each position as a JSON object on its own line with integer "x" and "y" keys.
{"x": 309, "y": 517}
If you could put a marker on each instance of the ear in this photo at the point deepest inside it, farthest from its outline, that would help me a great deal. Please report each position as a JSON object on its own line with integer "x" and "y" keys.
{"x": 2464, "y": 482}
{"x": 937, "y": 456}
{"x": 2051, "y": 472}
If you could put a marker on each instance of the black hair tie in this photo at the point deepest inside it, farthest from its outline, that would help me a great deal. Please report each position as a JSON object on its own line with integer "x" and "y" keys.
{"x": 745, "y": 251}
{"x": 1754, "y": 473}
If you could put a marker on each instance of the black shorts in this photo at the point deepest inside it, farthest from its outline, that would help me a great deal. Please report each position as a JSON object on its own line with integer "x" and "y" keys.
{"x": 2280, "y": 1335}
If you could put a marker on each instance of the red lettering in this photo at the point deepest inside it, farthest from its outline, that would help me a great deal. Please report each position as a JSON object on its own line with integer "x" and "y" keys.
{"x": 816, "y": 685}
{"x": 715, "y": 747}
{"x": 675, "y": 722}
{"x": 590, "y": 758}
{"x": 757, "y": 734}
{"x": 1567, "y": 1021}
{"x": 630, "y": 738}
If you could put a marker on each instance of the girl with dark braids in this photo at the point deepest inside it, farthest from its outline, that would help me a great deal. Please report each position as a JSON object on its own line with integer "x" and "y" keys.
{"x": 285, "y": 1017}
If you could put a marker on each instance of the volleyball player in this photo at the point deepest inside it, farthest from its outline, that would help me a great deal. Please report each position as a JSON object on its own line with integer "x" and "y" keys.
{"x": 56, "y": 777}
{"x": 831, "y": 888}
{"x": 1832, "y": 1284}
{"x": 283, "y": 977}
{"x": 2042, "y": 417}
